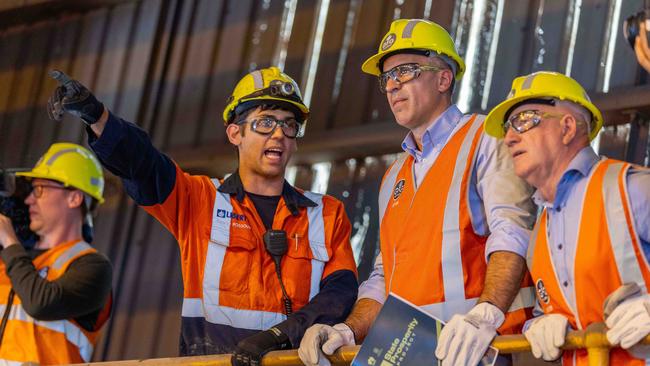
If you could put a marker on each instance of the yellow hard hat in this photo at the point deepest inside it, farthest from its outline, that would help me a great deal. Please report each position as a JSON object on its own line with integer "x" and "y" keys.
{"x": 266, "y": 86}
{"x": 414, "y": 34}
{"x": 72, "y": 165}
{"x": 542, "y": 85}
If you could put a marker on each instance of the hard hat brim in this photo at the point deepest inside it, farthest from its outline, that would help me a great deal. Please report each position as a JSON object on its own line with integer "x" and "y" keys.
{"x": 281, "y": 102}
{"x": 371, "y": 65}
{"x": 32, "y": 175}
{"x": 494, "y": 121}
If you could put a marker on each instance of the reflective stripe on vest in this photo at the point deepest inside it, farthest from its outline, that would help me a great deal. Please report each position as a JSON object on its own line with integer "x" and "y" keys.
{"x": 11, "y": 363}
{"x": 316, "y": 241}
{"x": 619, "y": 235}
{"x": 71, "y": 331}
{"x": 69, "y": 254}
{"x": 209, "y": 307}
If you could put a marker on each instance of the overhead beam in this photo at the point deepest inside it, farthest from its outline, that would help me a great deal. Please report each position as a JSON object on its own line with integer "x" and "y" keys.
{"x": 619, "y": 105}
{"x": 18, "y": 12}
{"x": 383, "y": 137}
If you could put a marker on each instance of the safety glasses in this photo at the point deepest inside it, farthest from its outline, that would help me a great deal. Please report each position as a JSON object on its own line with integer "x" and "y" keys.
{"x": 37, "y": 189}
{"x": 266, "y": 125}
{"x": 525, "y": 120}
{"x": 404, "y": 73}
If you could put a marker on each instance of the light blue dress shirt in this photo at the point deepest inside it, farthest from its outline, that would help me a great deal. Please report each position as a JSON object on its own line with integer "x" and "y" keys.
{"x": 500, "y": 202}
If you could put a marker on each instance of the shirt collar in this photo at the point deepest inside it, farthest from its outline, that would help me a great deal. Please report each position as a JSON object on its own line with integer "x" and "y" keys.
{"x": 437, "y": 133}
{"x": 581, "y": 166}
{"x": 293, "y": 198}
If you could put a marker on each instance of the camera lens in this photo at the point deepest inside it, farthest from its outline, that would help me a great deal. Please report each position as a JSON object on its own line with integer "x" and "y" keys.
{"x": 287, "y": 88}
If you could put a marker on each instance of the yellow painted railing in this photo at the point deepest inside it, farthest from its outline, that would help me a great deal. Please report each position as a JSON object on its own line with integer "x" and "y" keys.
{"x": 593, "y": 339}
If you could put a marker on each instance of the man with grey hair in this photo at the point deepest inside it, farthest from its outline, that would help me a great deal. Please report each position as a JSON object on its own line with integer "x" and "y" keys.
{"x": 588, "y": 252}
{"x": 454, "y": 218}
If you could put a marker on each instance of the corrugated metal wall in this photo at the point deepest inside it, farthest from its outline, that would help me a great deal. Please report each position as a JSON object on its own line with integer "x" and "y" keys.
{"x": 170, "y": 65}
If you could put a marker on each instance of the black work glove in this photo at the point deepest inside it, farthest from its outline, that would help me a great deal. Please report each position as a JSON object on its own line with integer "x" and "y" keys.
{"x": 250, "y": 350}
{"x": 74, "y": 98}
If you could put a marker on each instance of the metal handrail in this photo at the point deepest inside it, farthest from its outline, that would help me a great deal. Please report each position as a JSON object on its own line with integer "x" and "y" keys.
{"x": 593, "y": 339}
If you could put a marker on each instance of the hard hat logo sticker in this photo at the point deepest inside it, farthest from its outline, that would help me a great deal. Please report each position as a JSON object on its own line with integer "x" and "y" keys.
{"x": 399, "y": 188}
{"x": 388, "y": 41}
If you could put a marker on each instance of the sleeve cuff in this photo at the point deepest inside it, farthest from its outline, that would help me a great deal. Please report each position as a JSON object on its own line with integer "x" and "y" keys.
{"x": 514, "y": 240}
{"x": 372, "y": 290}
{"x": 106, "y": 143}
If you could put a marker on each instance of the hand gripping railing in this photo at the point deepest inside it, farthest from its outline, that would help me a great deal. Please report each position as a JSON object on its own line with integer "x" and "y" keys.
{"x": 592, "y": 339}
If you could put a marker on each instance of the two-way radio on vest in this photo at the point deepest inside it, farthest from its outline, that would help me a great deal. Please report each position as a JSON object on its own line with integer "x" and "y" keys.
{"x": 275, "y": 242}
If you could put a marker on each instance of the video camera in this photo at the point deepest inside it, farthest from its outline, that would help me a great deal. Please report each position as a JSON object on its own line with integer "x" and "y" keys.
{"x": 13, "y": 191}
{"x": 632, "y": 25}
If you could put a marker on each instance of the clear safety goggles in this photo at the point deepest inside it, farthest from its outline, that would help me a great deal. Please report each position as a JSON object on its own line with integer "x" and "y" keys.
{"x": 525, "y": 120}
{"x": 404, "y": 73}
{"x": 266, "y": 125}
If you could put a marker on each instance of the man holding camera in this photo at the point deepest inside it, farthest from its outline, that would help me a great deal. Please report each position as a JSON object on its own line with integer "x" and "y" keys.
{"x": 55, "y": 297}
{"x": 241, "y": 294}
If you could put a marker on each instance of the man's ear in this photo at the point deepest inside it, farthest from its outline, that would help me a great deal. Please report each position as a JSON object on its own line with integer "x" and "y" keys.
{"x": 233, "y": 131}
{"x": 569, "y": 126}
{"x": 75, "y": 199}
{"x": 444, "y": 80}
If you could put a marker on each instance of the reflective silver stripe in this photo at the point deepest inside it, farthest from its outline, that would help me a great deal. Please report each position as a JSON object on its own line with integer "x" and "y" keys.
{"x": 219, "y": 241}
{"x": 53, "y": 158}
{"x": 619, "y": 234}
{"x": 70, "y": 253}
{"x": 408, "y": 29}
{"x": 452, "y": 264}
{"x": 316, "y": 227}
{"x": 386, "y": 189}
{"x": 220, "y": 232}
{"x": 528, "y": 82}
{"x": 316, "y": 242}
{"x": 258, "y": 80}
{"x": 238, "y": 318}
{"x": 4, "y": 362}
{"x": 71, "y": 332}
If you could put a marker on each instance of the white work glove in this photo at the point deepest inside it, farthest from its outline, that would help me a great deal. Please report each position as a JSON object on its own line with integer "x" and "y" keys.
{"x": 629, "y": 322}
{"x": 546, "y": 335}
{"x": 464, "y": 340}
{"x": 320, "y": 340}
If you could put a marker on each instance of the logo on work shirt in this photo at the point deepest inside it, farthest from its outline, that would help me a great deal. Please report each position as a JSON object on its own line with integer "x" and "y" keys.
{"x": 399, "y": 188}
{"x": 541, "y": 291}
{"x": 43, "y": 272}
{"x": 390, "y": 39}
{"x": 231, "y": 215}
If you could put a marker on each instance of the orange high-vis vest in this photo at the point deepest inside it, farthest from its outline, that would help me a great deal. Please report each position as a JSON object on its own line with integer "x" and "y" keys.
{"x": 47, "y": 342}
{"x": 608, "y": 255}
{"x": 431, "y": 254}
